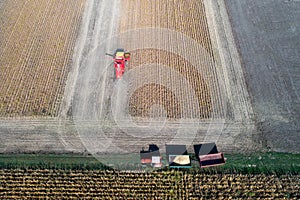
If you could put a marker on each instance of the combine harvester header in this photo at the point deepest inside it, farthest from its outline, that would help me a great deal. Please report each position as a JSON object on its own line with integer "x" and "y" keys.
{"x": 120, "y": 58}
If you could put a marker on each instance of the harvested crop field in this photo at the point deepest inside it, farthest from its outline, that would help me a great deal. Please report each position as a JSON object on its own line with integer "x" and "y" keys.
{"x": 37, "y": 39}
{"x": 74, "y": 184}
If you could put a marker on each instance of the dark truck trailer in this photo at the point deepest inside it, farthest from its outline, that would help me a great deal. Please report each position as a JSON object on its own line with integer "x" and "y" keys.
{"x": 208, "y": 155}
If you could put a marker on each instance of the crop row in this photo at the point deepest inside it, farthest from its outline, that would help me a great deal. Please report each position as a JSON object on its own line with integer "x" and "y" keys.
{"x": 186, "y": 17}
{"x": 187, "y": 89}
{"x": 35, "y": 54}
{"x": 155, "y": 185}
{"x": 170, "y": 90}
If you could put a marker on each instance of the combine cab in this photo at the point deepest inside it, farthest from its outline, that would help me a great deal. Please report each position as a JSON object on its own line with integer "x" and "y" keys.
{"x": 120, "y": 58}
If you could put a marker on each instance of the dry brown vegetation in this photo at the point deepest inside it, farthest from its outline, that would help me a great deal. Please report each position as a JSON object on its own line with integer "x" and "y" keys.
{"x": 37, "y": 38}
{"x": 185, "y": 17}
{"x": 142, "y": 99}
{"x": 140, "y": 105}
{"x": 74, "y": 184}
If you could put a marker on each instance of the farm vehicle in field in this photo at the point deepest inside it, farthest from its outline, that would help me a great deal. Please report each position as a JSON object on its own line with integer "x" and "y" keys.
{"x": 120, "y": 58}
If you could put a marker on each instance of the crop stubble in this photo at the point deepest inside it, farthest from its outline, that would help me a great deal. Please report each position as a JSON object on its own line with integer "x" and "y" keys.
{"x": 185, "y": 17}
{"x": 36, "y": 46}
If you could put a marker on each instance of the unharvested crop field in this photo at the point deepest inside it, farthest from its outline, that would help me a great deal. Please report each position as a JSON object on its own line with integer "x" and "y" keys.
{"x": 74, "y": 184}
{"x": 156, "y": 93}
{"x": 186, "y": 17}
{"x": 189, "y": 19}
{"x": 37, "y": 39}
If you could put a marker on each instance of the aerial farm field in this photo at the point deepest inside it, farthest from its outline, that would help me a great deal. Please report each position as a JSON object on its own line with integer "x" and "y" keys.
{"x": 175, "y": 89}
{"x": 179, "y": 86}
{"x": 200, "y": 71}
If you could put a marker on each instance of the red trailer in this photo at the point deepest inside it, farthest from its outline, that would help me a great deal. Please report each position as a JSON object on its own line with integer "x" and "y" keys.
{"x": 120, "y": 58}
{"x": 208, "y": 155}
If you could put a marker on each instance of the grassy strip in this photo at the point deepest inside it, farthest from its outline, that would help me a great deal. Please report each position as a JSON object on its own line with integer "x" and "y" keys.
{"x": 258, "y": 163}
{"x": 49, "y": 161}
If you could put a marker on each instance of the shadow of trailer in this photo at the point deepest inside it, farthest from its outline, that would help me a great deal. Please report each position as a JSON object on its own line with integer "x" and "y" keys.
{"x": 208, "y": 155}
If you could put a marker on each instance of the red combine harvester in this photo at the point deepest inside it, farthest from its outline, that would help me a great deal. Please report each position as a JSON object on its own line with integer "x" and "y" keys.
{"x": 120, "y": 58}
